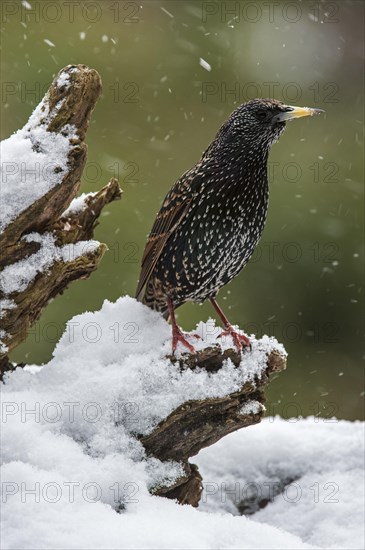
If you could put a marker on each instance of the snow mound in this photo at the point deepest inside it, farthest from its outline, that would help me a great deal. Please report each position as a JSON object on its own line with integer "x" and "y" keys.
{"x": 75, "y": 476}
{"x": 304, "y": 476}
{"x": 117, "y": 356}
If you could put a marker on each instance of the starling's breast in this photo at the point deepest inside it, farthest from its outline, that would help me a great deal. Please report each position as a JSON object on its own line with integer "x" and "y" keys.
{"x": 214, "y": 241}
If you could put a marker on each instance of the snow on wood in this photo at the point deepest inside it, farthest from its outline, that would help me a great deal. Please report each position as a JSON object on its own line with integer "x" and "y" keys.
{"x": 33, "y": 160}
{"x": 78, "y": 204}
{"x": 42, "y": 163}
{"x": 173, "y": 405}
{"x": 45, "y": 236}
{"x": 16, "y": 277}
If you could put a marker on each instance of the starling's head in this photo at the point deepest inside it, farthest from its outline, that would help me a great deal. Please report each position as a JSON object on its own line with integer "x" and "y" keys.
{"x": 259, "y": 123}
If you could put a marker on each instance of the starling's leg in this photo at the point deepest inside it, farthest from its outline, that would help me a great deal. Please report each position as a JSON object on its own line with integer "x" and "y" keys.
{"x": 229, "y": 330}
{"x": 177, "y": 335}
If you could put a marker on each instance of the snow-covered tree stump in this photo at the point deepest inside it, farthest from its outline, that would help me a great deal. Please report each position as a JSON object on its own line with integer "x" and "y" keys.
{"x": 198, "y": 424}
{"x": 44, "y": 231}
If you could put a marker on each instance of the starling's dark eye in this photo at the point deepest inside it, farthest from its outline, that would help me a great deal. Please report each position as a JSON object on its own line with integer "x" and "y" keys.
{"x": 262, "y": 115}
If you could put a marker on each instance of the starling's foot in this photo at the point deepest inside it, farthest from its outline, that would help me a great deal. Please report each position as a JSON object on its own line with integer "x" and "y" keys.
{"x": 237, "y": 338}
{"x": 178, "y": 336}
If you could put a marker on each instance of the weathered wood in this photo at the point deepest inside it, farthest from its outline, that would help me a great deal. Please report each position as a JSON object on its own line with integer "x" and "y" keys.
{"x": 80, "y": 226}
{"x": 188, "y": 490}
{"x": 198, "y": 424}
{"x": 69, "y": 101}
{"x": 79, "y": 99}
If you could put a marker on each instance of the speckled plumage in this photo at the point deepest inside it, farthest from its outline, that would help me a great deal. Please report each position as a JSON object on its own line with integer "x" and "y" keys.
{"x": 211, "y": 220}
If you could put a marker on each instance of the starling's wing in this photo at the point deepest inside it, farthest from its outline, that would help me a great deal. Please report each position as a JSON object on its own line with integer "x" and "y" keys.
{"x": 173, "y": 210}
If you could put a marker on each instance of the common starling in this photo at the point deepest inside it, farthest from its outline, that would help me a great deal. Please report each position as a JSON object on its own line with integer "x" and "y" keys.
{"x": 212, "y": 218}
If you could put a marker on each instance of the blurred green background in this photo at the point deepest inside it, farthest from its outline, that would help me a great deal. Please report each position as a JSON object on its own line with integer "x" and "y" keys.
{"x": 161, "y": 106}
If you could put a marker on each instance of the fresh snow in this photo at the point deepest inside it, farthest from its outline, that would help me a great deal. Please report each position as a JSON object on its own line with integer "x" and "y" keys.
{"x": 314, "y": 469}
{"x": 3, "y": 347}
{"x": 78, "y": 204}
{"x": 49, "y": 43}
{"x": 63, "y": 80}
{"x": 75, "y": 476}
{"x": 33, "y": 161}
{"x": 6, "y": 304}
{"x": 252, "y": 407}
{"x": 204, "y": 64}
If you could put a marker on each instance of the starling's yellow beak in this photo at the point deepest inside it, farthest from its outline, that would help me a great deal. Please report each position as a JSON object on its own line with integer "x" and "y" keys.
{"x": 296, "y": 112}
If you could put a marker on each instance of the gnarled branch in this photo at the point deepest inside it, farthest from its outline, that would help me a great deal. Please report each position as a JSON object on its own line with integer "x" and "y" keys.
{"x": 46, "y": 244}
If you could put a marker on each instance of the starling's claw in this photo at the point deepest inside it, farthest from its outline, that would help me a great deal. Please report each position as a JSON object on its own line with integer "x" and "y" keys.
{"x": 178, "y": 336}
{"x": 229, "y": 330}
{"x": 237, "y": 338}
